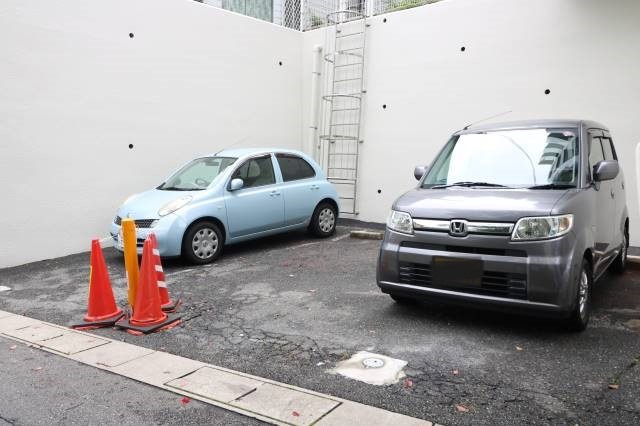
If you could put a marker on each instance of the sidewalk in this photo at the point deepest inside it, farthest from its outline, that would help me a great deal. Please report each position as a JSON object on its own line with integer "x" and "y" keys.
{"x": 251, "y": 396}
{"x": 39, "y": 388}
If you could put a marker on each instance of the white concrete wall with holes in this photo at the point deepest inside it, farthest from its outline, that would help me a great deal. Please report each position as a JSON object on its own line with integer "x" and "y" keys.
{"x": 439, "y": 67}
{"x": 76, "y": 90}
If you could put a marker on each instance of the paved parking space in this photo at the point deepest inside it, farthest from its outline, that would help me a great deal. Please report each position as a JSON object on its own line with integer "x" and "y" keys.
{"x": 288, "y": 308}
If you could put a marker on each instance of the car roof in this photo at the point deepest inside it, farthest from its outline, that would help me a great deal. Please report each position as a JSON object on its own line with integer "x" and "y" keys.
{"x": 531, "y": 124}
{"x": 247, "y": 152}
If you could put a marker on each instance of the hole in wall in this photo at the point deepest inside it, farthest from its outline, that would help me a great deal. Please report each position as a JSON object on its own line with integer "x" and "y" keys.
{"x": 130, "y": 35}
{"x": 384, "y": 106}
{"x": 462, "y": 49}
{"x": 546, "y": 92}
{"x": 379, "y": 191}
{"x": 280, "y": 63}
{"x": 384, "y": 21}
{"x": 130, "y": 146}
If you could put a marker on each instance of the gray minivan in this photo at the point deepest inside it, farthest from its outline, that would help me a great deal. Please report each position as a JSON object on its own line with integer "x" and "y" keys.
{"x": 522, "y": 216}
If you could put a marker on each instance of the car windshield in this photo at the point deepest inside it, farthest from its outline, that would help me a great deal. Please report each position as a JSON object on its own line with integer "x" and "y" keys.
{"x": 531, "y": 158}
{"x": 198, "y": 174}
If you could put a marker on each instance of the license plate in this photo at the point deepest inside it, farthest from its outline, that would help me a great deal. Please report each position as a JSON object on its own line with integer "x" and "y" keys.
{"x": 451, "y": 271}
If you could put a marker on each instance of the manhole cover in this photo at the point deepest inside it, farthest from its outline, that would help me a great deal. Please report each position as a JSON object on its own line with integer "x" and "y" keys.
{"x": 373, "y": 363}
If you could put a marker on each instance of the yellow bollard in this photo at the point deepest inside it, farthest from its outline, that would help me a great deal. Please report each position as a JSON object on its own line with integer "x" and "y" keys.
{"x": 129, "y": 240}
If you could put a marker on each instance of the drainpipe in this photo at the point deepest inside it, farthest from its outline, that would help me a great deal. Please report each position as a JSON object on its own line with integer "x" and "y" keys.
{"x": 315, "y": 97}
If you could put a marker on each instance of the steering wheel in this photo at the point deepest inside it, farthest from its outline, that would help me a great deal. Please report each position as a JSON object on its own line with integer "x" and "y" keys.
{"x": 201, "y": 182}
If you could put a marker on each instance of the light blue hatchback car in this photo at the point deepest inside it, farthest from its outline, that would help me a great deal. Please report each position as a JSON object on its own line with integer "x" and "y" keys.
{"x": 231, "y": 196}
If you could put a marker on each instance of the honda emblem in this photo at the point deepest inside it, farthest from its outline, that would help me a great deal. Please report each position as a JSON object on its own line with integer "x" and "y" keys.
{"x": 458, "y": 228}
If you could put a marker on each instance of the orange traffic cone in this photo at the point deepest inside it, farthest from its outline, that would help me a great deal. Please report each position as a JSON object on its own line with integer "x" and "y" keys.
{"x": 166, "y": 303}
{"x": 102, "y": 310}
{"x": 147, "y": 313}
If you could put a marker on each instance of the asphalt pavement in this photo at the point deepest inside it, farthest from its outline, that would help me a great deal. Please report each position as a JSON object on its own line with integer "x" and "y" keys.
{"x": 39, "y": 388}
{"x": 290, "y": 307}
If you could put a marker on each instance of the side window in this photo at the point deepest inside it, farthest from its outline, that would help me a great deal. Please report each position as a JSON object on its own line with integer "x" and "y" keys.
{"x": 294, "y": 168}
{"x": 595, "y": 153}
{"x": 256, "y": 172}
{"x": 609, "y": 152}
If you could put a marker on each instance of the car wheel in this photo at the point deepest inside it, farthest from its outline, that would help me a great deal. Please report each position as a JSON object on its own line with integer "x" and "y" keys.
{"x": 323, "y": 221}
{"x": 202, "y": 243}
{"x": 580, "y": 315}
{"x": 620, "y": 263}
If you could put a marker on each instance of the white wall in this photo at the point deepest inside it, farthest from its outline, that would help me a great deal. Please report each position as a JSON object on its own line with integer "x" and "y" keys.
{"x": 584, "y": 51}
{"x": 76, "y": 90}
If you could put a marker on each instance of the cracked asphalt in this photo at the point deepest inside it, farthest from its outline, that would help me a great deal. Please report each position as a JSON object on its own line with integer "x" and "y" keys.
{"x": 290, "y": 307}
{"x": 39, "y": 388}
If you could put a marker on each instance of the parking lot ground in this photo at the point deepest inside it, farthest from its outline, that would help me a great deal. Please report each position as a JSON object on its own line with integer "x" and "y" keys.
{"x": 288, "y": 308}
{"x": 39, "y": 388}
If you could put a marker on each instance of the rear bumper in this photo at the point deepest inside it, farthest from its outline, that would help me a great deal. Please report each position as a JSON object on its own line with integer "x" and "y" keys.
{"x": 537, "y": 276}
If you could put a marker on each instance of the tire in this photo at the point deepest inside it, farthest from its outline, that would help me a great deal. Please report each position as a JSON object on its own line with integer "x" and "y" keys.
{"x": 323, "y": 221}
{"x": 620, "y": 263}
{"x": 579, "y": 317}
{"x": 202, "y": 243}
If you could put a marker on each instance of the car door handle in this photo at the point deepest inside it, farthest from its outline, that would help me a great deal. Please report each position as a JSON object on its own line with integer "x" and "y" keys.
{"x": 314, "y": 187}
{"x": 274, "y": 193}
{"x": 612, "y": 194}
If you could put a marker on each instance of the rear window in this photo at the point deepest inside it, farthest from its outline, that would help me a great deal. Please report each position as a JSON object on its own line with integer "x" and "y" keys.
{"x": 294, "y": 168}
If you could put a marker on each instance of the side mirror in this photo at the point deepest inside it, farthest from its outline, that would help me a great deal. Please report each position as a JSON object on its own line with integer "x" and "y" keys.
{"x": 605, "y": 170}
{"x": 420, "y": 171}
{"x": 236, "y": 184}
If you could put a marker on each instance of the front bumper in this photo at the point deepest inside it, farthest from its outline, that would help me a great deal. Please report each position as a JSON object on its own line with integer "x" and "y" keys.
{"x": 534, "y": 275}
{"x": 168, "y": 231}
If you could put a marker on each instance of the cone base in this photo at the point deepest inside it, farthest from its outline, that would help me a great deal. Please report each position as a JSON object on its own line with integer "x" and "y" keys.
{"x": 126, "y": 324}
{"x": 171, "y": 306}
{"x": 99, "y": 322}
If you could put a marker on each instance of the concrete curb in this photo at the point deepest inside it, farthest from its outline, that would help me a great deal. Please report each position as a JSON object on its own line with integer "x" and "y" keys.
{"x": 263, "y": 399}
{"x": 633, "y": 262}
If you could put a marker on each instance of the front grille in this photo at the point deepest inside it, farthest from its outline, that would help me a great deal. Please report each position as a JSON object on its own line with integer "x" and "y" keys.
{"x": 499, "y": 284}
{"x": 144, "y": 223}
{"x": 465, "y": 249}
{"x": 140, "y": 223}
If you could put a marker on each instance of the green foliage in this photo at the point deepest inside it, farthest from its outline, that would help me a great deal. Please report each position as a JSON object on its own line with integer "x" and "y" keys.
{"x": 407, "y": 4}
{"x": 317, "y": 21}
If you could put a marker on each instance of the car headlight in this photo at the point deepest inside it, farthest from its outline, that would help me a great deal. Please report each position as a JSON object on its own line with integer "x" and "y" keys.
{"x": 400, "y": 222}
{"x": 174, "y": 205}
{"x": 541, "y": 228}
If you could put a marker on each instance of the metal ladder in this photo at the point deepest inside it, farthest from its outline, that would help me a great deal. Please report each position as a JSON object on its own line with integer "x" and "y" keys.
{"x": 345, "y": 42}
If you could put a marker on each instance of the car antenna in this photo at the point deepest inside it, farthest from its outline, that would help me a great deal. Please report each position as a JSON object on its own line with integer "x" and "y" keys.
{"x": 485, "y": 119}
{"x": 232, "y": 145}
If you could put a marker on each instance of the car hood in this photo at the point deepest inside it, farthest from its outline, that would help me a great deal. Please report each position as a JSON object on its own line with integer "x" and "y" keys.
{"x": 145, "y": 205}
{"x": 478, "y": 204}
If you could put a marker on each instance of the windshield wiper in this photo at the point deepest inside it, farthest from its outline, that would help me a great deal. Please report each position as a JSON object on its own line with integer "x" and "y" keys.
{"x": 175, "y": 188}
{"x": 552, "y": 186}
{"x": 469, "y": 184}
